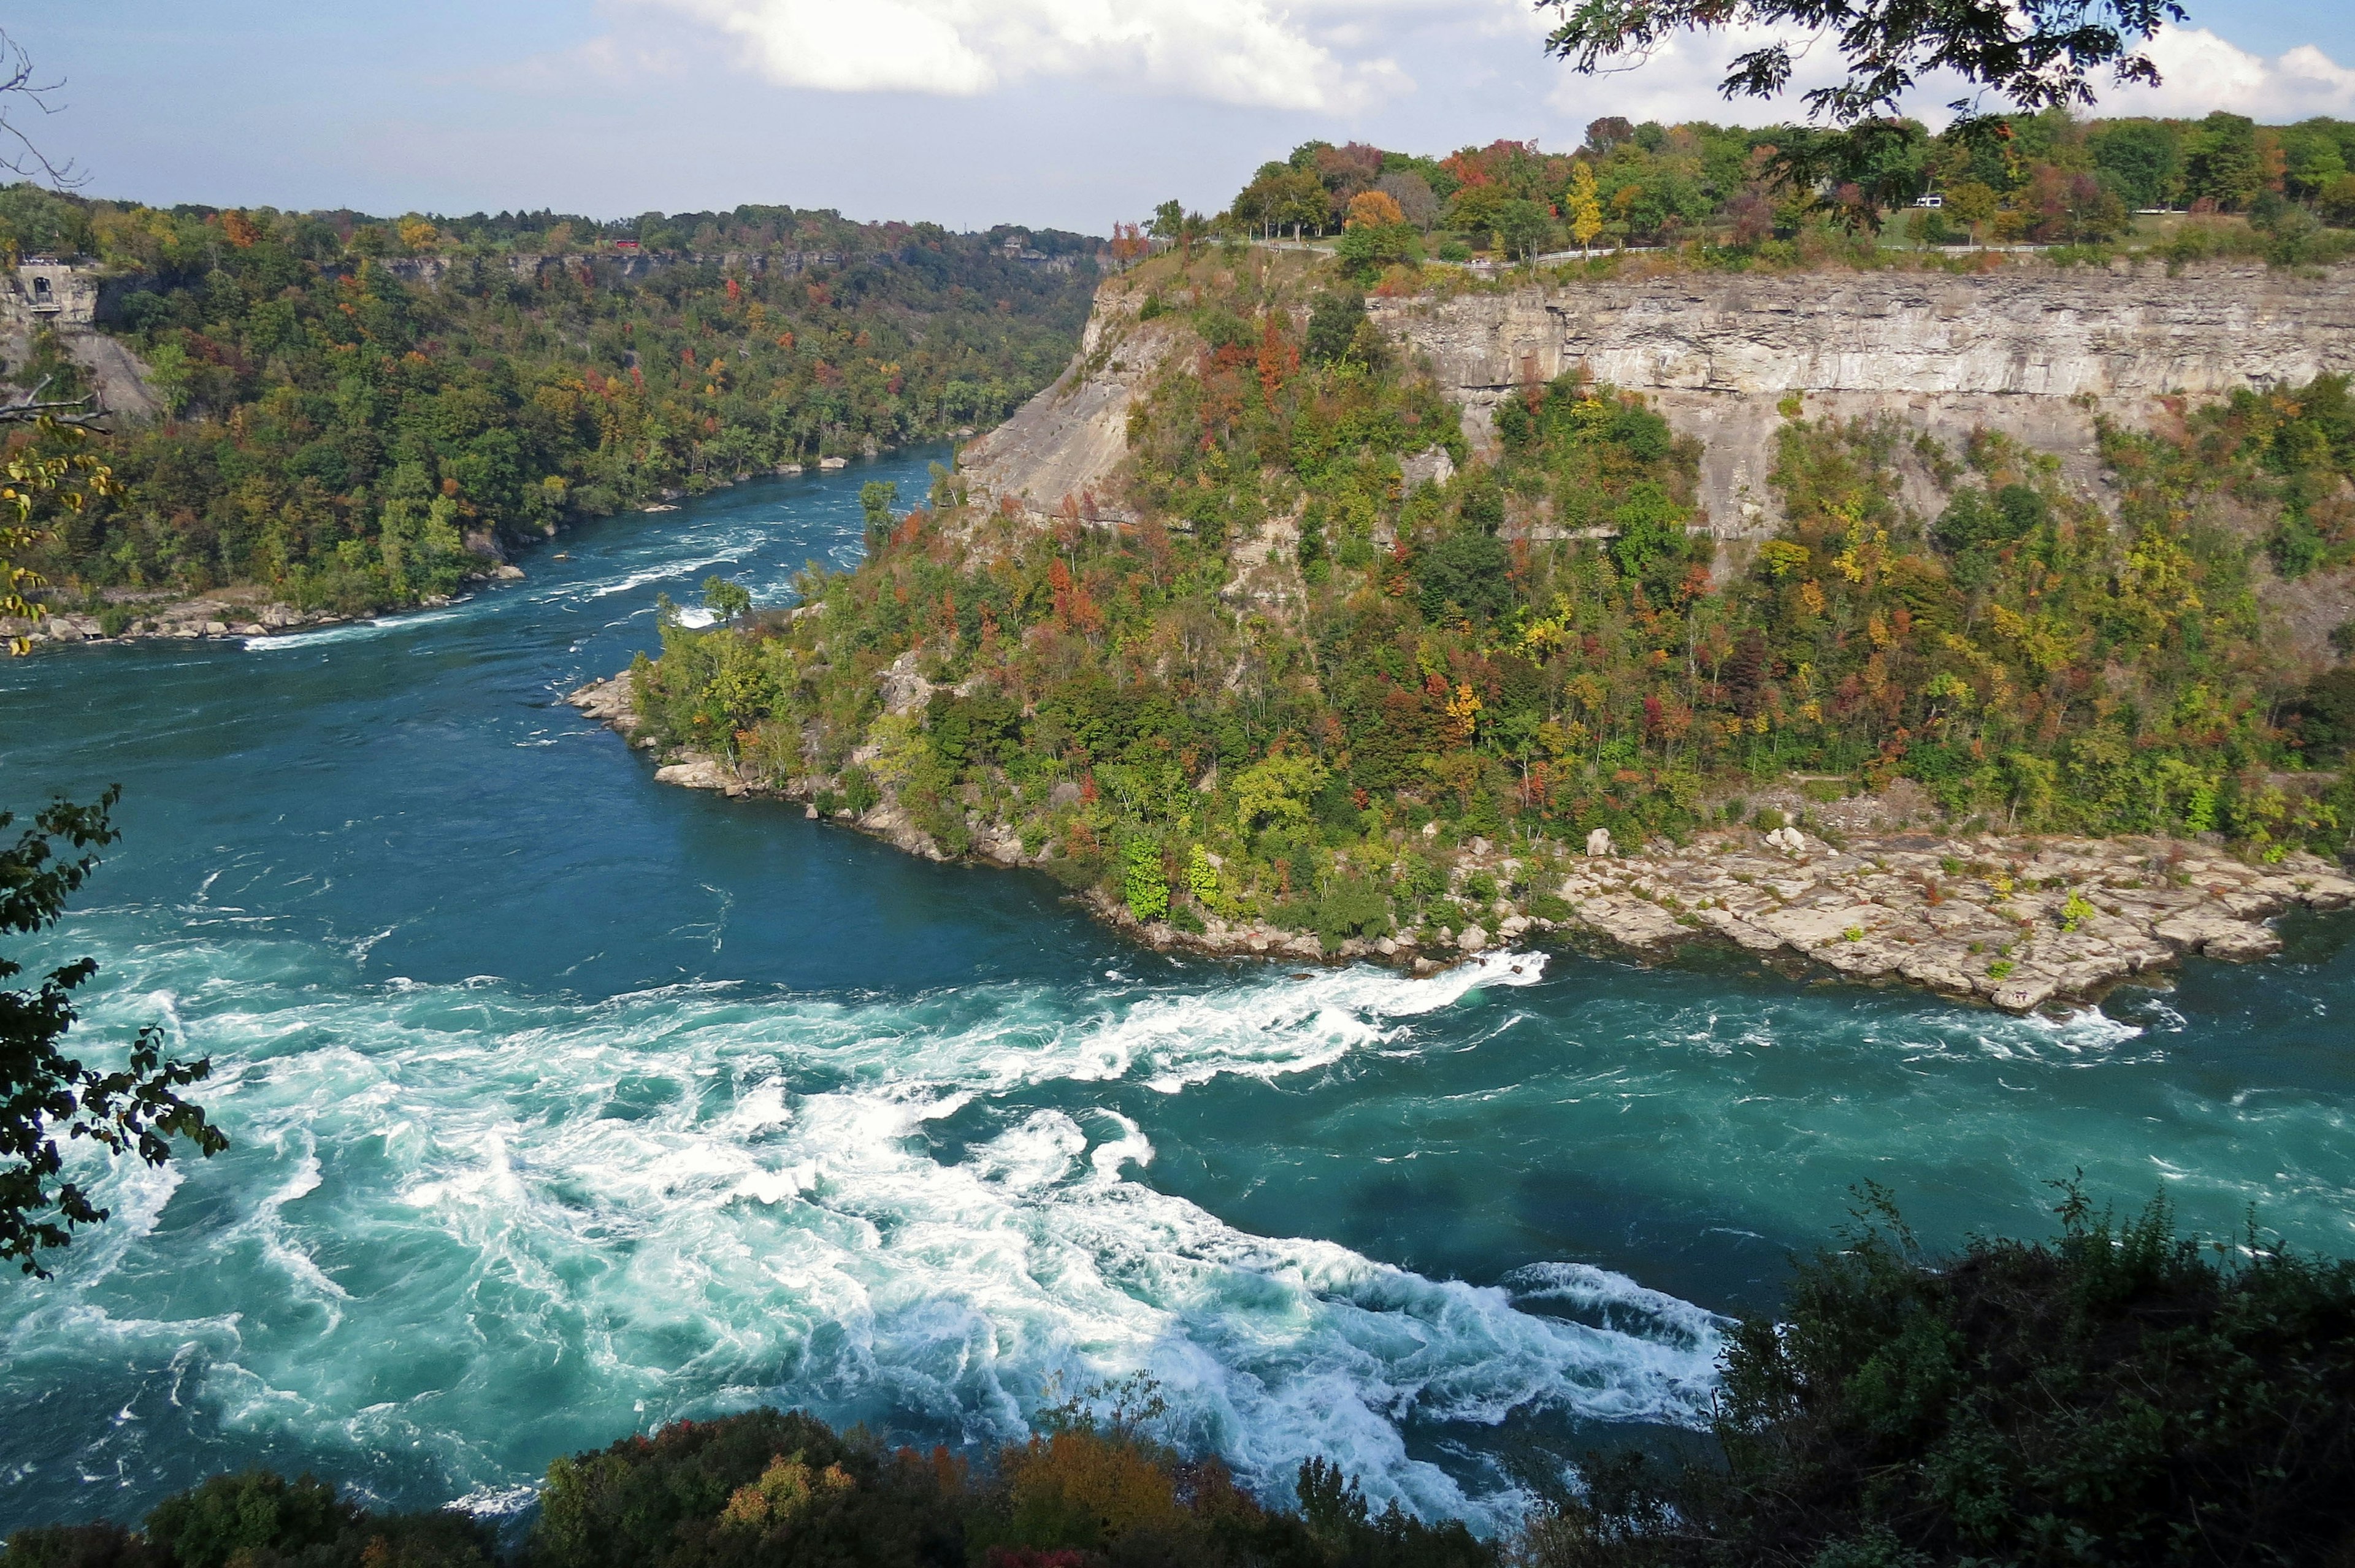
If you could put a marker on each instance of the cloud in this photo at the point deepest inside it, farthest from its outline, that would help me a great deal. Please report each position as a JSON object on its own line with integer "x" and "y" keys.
{"x": 1231, "y": 51}
{"x": 2199, "y": 72}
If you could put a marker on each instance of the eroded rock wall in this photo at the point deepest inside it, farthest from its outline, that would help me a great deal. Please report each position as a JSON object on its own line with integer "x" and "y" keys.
{"x": 1065, "y": 443}
{"x": 2033, "y": 351}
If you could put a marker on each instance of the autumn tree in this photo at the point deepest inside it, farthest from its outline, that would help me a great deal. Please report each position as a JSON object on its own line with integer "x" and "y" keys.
{"x": 1585, "y": 207}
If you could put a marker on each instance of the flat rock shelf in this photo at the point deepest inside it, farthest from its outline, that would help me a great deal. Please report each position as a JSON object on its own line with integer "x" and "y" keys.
{"x": 2019, "y": 922}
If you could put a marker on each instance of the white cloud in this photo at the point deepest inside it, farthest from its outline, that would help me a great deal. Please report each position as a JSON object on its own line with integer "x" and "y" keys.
{"x": 2199, "y": 72}
{"x": 1231, "y": 51}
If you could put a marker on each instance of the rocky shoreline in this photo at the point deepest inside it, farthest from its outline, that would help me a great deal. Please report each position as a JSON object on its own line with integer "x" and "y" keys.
{"x": 2019, "y": 922}
{"x": 231, "y": 614}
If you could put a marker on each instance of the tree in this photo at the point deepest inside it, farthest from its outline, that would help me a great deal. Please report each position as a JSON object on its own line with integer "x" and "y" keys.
{"x": 1373, "y": 209}
{"x": 726, "y": 599}
{"x": 1333, "y": 321}
{"x": 2223, "y": 163}
{"x": 20, "y": 154}
{"x": 44, "y": 1091}
{"x": 2036, "y": 54}
{"x": 1585, "y": 205}
{"x": 1972, "y": 204}
{"x": 1413, "y": 195}
{"x": 1522, "y": 226}
{"x": 1173, "y": 223}
{"x": 38, "y": 484}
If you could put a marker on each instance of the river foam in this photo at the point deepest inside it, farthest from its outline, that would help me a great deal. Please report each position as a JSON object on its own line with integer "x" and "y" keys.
{"x": 700, "y": 1197}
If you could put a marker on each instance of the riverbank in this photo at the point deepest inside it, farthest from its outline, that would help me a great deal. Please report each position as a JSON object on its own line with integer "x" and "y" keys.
{"x": 238, "y": 612}
{"x": 2021, "y": 922}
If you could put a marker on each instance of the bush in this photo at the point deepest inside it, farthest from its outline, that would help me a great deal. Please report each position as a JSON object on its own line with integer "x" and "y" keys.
{"x": 859, "y": 791}
{"x": 2118, "y": 1384}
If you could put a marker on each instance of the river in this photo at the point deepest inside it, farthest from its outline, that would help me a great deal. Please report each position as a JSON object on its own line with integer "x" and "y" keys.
{"x": 565, "y": 1104}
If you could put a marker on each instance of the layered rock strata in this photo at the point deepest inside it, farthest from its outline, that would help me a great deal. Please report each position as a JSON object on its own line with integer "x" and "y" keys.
{"x": 2028, "y": 350}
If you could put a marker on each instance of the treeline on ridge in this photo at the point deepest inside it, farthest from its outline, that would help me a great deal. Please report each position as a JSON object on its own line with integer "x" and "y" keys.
{"x": 2116, "y": 1393}
{"x": 2048, "y": 178}
{"x": 348, "y": 440}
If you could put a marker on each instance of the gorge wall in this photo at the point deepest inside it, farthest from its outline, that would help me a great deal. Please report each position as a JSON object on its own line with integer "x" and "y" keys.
{"x": 2032, "y": 350}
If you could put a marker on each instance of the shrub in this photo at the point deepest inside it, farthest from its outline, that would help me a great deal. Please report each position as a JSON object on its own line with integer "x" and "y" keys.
{"x": 859, "y": 791}
{"x": 1144, "y": 886}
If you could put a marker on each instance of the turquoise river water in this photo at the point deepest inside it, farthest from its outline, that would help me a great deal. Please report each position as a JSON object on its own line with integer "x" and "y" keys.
{"x": 565, "y": 1104}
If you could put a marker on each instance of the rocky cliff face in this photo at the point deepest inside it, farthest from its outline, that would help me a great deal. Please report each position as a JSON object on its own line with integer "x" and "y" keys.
{"x": 2029, "y": 350}
{"x": 1064, "y": 444}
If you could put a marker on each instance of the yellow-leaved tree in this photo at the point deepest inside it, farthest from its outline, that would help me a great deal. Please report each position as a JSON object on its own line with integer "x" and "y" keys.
{"x": 1585, "y": 204}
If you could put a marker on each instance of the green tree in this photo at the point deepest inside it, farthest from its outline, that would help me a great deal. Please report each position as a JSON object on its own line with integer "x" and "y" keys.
{"x": 2141, "y": 159}
{"x": 1522, "y": 226}
{"x": 2222, "y": 163}
{"x": 1144, "y": 884}
{"x": 45, "y": 1092}
{"x": 726, "y": 599}
{"x": 2036, "y": 53}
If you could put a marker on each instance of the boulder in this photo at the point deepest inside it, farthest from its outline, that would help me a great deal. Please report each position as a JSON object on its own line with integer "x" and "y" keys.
{"x": 694, "y": 771}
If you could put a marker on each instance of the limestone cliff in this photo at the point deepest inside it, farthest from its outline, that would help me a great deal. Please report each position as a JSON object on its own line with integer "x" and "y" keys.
{"x": 2032, "y": 350}
{"x": 1064, "y": 444}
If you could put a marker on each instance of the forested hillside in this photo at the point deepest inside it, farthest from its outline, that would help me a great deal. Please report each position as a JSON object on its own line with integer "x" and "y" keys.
{"x": 1295, "y": 682}
{"x": 348, "y": 440}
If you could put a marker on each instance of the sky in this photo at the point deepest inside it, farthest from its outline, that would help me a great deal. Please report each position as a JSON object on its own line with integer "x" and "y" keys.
{"x": 1066, "y": 113}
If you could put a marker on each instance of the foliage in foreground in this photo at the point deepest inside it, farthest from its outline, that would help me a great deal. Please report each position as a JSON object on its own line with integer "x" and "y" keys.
{"x": 2116, "y": 1395}
{"x": 2119, "y": 1394}
{"x": 46, "y": 1094}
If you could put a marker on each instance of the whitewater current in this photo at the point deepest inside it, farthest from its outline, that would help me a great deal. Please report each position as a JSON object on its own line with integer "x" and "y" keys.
{"x": 564, "y": 1106}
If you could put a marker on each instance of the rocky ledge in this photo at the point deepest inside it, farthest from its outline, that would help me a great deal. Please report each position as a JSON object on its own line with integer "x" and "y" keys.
{"x": 2019, "y": 922}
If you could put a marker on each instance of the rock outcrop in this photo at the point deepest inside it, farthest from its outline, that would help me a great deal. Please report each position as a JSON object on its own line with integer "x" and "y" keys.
{"x": 2019, "y": 923}
{"x": 2028, "y": 350}
{"x": 1063, "y": 444}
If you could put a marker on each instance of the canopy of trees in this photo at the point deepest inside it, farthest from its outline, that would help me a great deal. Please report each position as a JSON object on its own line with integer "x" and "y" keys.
{"x": 2042, "y": 178}
{"x": 350, "y": 439}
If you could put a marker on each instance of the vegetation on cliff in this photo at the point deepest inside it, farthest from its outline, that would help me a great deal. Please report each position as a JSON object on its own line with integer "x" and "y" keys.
{"x": 1751, "y": 195}
{"x": 2116, "y": 1394}
{"x": 351, "y": 440}
{"x": 1300, "y": 675}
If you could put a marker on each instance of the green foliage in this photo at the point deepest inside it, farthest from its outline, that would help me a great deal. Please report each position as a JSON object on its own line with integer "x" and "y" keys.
{"x": 859, "y": 791}
{"x": 258, "y": 1520}
{"x": 726, "y": 599}
{"x": 44, "y": 1093}
{"x": 231, "y": 1517}
{"x": 1333, "y": 322}
{"x": 350, "y": 435}
{"x": 1144, "y": 886}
